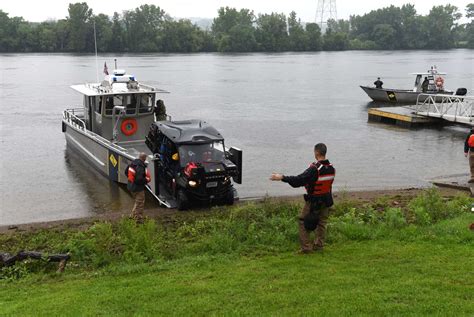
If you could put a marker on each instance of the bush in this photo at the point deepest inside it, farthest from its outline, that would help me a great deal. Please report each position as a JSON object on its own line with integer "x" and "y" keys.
{"x": 430, "y": 207}
{"x": 394, "y": 218}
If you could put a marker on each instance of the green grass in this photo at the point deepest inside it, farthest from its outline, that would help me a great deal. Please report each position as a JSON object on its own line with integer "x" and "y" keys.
{"x": 415, "y": 259}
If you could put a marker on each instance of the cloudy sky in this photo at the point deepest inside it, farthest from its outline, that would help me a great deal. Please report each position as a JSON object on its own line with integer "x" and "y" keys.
{"x": 56, "y": 9}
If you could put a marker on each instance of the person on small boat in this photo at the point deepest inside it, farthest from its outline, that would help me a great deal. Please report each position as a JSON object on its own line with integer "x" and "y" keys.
{"x": 425, "y": 84}
{"x": 138, "y": 176}
{"x": 469, "y": 152}
{"x": 378, "y": 83}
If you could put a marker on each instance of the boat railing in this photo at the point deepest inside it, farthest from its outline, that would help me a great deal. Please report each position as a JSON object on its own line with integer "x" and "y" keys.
{"x": 74, "y": 117}
{"x": 450, "y": 107}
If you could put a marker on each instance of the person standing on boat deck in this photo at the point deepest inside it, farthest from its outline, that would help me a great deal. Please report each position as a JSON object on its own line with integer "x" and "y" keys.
{"x": 425, "y": 84}
{"x": 138, "y": 176}
{"x": 160, "y": 111}
{"x": 469, "y": 151}
{"x": 378, "y": 83}
{"x": 317, "y": 179}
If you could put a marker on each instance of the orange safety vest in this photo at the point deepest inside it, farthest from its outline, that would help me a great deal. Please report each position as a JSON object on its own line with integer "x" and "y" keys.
{"x": 131, "y": 175}
{"x": 323, "y": 184}
{"x": 470, "y": 141}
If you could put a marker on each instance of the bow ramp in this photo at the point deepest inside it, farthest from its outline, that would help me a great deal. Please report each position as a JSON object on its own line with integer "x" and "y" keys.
{"x": 458, "y": 109}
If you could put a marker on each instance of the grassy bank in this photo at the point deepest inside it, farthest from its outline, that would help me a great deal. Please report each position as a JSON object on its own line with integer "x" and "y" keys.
{"x": 382, "y": 257}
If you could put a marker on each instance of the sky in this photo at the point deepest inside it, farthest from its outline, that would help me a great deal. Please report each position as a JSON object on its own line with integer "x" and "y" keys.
{"x": 41, "y": 10}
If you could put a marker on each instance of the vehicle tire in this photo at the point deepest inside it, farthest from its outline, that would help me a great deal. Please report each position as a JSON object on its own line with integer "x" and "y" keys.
{"x": 229, "y": 198}
{"x": 182, "y": 200}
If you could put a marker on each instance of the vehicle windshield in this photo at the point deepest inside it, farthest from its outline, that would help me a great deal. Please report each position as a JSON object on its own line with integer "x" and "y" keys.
{"x": 202, "y": 153}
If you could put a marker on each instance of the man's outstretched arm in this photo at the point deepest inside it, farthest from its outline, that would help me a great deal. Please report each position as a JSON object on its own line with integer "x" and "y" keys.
{"x": 296, "y": 181}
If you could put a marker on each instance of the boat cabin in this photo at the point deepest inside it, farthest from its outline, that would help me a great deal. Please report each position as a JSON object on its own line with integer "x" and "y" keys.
{"x": 435, "y": 81}
{"x": 119, "y": 108}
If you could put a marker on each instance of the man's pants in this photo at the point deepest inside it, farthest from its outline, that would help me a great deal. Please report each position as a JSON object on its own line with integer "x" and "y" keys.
{"x": 471, "y": 163}
{"x": 137, "y": 211}
{"x": 320, "y": 231}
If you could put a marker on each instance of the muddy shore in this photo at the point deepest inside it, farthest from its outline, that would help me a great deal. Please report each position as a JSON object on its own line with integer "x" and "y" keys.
{"x": 398, "y": 196}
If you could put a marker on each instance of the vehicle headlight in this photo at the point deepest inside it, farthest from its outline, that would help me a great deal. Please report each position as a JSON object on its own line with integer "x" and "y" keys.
{"x": 227, "y": 179}
{"x": 192, "y": 183}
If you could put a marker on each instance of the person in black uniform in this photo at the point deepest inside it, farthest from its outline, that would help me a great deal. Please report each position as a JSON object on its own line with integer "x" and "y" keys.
{"x": 317, "y": 179}
{"x": 425, "y": 84}
{"x": 378, "y": 83}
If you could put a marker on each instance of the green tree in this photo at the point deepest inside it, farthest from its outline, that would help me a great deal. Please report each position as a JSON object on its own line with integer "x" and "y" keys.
{"x": 233, "y": 30}
{"x": 336, "y": 37}
{"x": 271, "y": 32}
{"x": 117, "y": 41}
{"x": 440, "y": 24}
{"x": 298, "y": 39}
{"x": 62, "y": 34}
{"x": 182, "y": 36}
{"x": 470, "y": 26}
{"x": 142, "y": 26}
{"x": 104, "y": 35}
{"x": 385, "y": 36}
{"x": 46, "y": 37}
{"x": 80, "y": 27}
{"x": 313, "y": 33}
{"x": 412, "y": 28}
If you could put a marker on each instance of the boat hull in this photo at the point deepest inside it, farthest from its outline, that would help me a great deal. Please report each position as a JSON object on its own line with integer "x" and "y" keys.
{"x": 395, "y": 95}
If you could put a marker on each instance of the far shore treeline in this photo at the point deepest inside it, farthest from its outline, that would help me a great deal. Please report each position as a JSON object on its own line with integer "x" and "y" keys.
{"x": 150, "y": 29}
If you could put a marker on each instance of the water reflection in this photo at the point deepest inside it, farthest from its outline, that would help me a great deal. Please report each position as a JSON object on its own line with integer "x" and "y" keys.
{"x": 100, "y": 194}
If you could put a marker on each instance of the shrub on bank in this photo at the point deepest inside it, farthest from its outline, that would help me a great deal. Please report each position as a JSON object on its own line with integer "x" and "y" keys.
{"x": 251, "y": 229}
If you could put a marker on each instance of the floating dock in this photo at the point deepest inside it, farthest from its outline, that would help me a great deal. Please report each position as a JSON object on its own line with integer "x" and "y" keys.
{"x": 401, "y": 116}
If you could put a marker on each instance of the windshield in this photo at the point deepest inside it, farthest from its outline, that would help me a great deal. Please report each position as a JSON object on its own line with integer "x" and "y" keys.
{"x": 202, "y": 153}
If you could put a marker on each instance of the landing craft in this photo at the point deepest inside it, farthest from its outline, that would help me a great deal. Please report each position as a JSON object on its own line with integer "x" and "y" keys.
{"x": 110, "y": 129}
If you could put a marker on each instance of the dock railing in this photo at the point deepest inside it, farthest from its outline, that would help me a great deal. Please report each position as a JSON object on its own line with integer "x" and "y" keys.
{"x": 452, "y": 108}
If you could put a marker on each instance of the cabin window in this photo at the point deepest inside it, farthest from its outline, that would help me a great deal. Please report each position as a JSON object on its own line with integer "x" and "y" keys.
{"x": 130, "y": 104}
{"x": 98, "y": 105}
{"x": 145, "y": 103}
{"x": 111, "y": 102}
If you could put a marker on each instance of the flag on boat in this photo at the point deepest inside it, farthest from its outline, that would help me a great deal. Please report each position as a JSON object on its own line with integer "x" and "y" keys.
{"x": 106, "y": 70}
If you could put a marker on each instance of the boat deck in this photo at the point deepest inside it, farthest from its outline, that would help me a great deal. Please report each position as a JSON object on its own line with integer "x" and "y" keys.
{"x": 402, "y": 116}
{"x": 135, "y": 147}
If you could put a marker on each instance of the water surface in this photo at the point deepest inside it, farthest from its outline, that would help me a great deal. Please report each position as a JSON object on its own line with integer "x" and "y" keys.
{"x": 273, "y": 106}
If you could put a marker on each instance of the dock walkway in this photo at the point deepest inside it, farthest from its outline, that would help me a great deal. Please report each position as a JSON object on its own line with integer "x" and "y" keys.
{"x": 404, "y": 116}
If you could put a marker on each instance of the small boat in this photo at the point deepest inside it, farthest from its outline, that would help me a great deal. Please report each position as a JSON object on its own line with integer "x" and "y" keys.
{"x": 113, "y": 127}
{"x": 405, "y": 96}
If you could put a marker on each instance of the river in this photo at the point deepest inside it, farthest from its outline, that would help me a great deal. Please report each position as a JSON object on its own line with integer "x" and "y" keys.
{"x": 273, "y": 106}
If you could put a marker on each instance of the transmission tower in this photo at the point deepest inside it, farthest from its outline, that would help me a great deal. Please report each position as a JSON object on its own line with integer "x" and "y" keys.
{"x": 326, "y": 10}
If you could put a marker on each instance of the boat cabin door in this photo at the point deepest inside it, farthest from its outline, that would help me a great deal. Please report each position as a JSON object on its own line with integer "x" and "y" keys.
{"x": 417, "y": 86}
{"x": 92, "y": 113}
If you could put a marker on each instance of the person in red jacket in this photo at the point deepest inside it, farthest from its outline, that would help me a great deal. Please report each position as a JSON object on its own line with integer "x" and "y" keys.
{"x": 469, "y": 151}
{"x": 317, "y": 179}
{"x": 138, "y": 176}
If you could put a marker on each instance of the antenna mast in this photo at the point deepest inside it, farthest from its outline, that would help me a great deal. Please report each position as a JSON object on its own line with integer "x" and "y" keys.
{"x": 325, "y": 11}
{"x": 96, "y": 61}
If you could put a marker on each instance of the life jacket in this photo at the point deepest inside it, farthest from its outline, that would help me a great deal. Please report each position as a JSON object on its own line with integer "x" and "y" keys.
{"x": 470, "y": 141}
{"x": 132, "y": 174}
{"x": 322, "y": 186}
